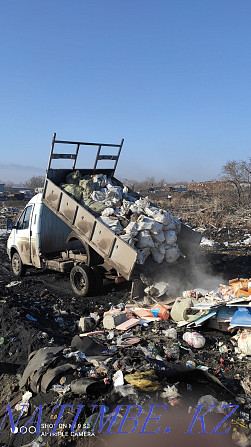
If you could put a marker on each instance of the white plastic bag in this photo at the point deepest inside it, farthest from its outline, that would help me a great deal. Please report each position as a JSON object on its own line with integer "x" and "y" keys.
{"x": 170, "y": 333}
{"x": 170, "y": 238}
{"x": 158, "y": 255}
{"x": 107, "y": 212}
{"x": 162, "y": 216}
{"x": 147, "y": 223}
{"x": 125, "y": 207}
{"x": 100, "y": 179}
{"x": 142, "y": 203}
{"x": 128, "y": 239}
{"x": 171, "y": 225}
{"x": 144, "y": 239}
{"x": 143, "y": 255}
{"x": 132, "y": 229}
{"x": 114, "y": 191}
{"x": 159, "y": 237}
{"x": 150, "y": 210}
{"x": 172, "y": 254}
{"x": 113, "y": 224}
{"x": 244, "y": 343}
{"x": 194, "y": 339}
{"x": 98, "y": 196}
{"x": 135, "y": 209}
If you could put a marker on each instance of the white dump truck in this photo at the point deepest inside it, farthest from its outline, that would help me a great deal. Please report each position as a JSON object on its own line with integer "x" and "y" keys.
{"x": 60, "y": 232}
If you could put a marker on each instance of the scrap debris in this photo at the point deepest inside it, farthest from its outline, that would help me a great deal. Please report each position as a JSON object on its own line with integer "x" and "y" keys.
{"x": 123, "y": 349}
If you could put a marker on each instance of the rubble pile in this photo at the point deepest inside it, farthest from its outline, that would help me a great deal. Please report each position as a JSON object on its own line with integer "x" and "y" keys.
{"x": 146, "y": 228}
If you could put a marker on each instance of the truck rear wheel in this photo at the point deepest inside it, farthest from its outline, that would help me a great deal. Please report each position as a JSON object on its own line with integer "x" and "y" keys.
{"x": 82, "y": 280}
{"x": 18, "y": 268}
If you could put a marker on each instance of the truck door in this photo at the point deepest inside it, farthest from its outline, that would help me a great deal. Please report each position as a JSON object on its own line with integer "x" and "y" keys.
{"x": 23, "y": 235}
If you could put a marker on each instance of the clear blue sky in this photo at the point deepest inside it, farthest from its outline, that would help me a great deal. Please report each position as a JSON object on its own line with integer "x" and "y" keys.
{"x": 172, "y": 77}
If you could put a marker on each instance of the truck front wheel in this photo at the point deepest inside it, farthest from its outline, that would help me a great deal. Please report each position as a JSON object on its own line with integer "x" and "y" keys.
{"x": 18, "y": 267}
{"x": 82, "y": 280}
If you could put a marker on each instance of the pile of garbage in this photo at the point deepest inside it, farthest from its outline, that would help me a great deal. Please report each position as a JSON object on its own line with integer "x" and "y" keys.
{"x": 147, "y": 351}
{"x": 146, "y": 228}
{"x": 225, "y": 308}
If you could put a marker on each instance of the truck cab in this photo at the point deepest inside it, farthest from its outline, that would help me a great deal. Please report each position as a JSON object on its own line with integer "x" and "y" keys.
{"x": 38, "y": 232}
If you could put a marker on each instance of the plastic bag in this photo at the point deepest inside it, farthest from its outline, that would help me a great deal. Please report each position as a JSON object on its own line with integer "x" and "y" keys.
{"x": 100, "y": 179}
{"x": 144, "y": 239}
{"x": 98, "y": 196}
{"x": 170, "y": 237}
{"x": 114, "y": 191}
{"x": 244, "y": 343}
{"x": 170, "y": 333}
{"x": 142, "y": 202}
{"x": 158, "y": 254}
{"x": 107, "y": 212}
{"x": 143, "y": 255}
{"x": 113, "y": 224}
{"x": 125, "y": 208}
{"x": 175, "y": 225}
{"x": 94, "y": 207}
{"x": 172, "y": 254}
{"x": 118, "y": 378}
{"x": 194, "y": 339}
{"x": 147, "y": 223}
{"x": 150, "y": 210}
{"x": 73, "y": 190}
{"x": 159, "y": 237}
{"x": 73, "y": 177}
{"x": 135, "y": 209}
{"x": 132, "y": 229}
{"x": 87, "y": 187}
{"x": 162, "y": 216}
{"x": 170, "y": 392}
{"x": 145, "y": 381}
{"x": 126, "y": 390}
{"x": 112, "y": 202}
{"x": 128, "y": 239}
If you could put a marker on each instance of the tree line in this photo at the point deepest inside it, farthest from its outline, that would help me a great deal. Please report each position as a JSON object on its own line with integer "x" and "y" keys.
{"x": 237, "y": 173}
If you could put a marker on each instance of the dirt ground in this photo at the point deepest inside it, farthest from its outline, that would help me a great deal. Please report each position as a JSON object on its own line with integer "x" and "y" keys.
{"x": 47, "y": 298}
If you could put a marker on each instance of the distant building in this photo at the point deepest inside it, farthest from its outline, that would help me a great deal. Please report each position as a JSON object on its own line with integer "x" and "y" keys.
{"x": 2, "y": 185}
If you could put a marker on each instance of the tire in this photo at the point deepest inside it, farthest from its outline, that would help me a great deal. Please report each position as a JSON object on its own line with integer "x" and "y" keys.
{"x": 18, "y": 268}
{"x": 82, "y": 280}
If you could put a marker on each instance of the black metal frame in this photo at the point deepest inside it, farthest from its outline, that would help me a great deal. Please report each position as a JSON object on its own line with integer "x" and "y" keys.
{"x": 75, "y": 156}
